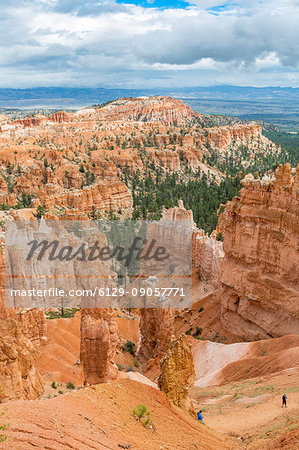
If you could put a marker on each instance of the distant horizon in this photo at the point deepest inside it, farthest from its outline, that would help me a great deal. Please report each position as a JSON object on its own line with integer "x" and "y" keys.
{"x": 277, "y": 105}
{"x": 149, "y": 88}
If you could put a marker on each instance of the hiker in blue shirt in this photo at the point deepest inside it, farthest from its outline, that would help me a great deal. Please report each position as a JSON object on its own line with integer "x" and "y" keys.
{"x": 199, "y": 416}
{"x": 284, "y": 400}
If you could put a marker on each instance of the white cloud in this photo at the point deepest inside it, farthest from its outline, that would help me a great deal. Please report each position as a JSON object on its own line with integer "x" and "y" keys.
{"x": 74, "y": 42}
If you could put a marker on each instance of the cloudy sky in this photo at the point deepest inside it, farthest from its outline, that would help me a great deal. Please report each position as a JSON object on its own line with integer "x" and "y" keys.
{"x": 148, "y": 43}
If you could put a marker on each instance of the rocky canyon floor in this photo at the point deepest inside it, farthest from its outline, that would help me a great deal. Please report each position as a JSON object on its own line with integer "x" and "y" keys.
{"x": 244, "y": 414}
{"x": 240, "y": 395}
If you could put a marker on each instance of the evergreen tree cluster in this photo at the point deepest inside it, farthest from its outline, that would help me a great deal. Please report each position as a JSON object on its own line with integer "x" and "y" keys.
{"x": 152, "y": 192}
{"x": 158, "y": 188}
{"x": 289, "y": 143}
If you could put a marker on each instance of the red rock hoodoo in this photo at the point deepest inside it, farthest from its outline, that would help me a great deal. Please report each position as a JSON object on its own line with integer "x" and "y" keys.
{"x": 99, "y": 340}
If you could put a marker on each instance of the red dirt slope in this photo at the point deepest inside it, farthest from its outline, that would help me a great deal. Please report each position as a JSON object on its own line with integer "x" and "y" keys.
{"x": 217, "y": 364}
{"x": 58, "y": 358}
{"x": 101, "y": 418}
{"x": 205, "y": 314}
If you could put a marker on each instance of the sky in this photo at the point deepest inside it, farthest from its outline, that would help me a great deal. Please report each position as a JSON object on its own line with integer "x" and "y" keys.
{"x": 148, "y": 43}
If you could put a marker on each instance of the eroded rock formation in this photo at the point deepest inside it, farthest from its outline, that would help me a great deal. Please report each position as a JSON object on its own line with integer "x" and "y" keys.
{"x": 18, "y": 376}
{"x": 21, "y": 332}
{"x": 77, "y": 160}
{"x": 207, "y": 252}
{"x": 157, "y": 326}
{"x": 75, "y": 164}
{"x": 260, "y": 292}
{"x": 177, "y": 372}
{"x": 149, "y": 109}
{"x": 99, "y": 340}
{"x": 222, "y": 137}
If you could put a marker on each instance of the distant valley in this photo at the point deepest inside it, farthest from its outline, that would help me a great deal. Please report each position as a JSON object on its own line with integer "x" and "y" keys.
{"x": 278, "y": 106}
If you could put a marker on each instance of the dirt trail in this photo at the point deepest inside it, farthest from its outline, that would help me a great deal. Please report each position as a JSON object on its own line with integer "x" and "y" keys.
{"x": 251, "y": 409}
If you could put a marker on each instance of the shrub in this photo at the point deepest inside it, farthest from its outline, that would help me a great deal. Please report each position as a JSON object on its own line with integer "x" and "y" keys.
{"x": 136, "y": 363}
{"x": 197, "y": 332}
{"x": 67, "y": 313}
{"x": 60, "y": 392}
{"x": 129, "y": 347}
{"x": 70, "y": 385}
{"x": 201, "y": 309}
{"x": 171, "y": 268}
{"x": 53, "y": 385}
{"x": 147, "y": 420}
{"x": 119, "y": 366}
{"x": 3, "y": 427}
{"x": 24, "y": 201}
{"x": 40, "y": 211}
{"x": 141, "y": 412}
{"x": 219, "y": 236}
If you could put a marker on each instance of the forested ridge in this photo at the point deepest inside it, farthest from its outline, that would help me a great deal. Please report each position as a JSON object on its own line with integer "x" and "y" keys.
{"x": 157, "y": 188}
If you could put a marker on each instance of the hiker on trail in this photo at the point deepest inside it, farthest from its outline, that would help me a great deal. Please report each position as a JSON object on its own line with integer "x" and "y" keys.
{"x": 284, "y": 400}
{"x": 200, "y": 416}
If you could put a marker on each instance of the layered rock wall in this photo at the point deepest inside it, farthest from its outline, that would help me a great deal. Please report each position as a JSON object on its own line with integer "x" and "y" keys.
{"x": 207, "y": 256}
{"x": 260, "y": 291}
{"x": 207, "y": 252}
{"x": 222, "y": 137}
{"x": 149, "y": 109}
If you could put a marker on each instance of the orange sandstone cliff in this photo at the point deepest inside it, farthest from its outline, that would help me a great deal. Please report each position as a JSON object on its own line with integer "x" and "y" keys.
{"x": 18, "y": 376}
{"x": 260, "y": 273}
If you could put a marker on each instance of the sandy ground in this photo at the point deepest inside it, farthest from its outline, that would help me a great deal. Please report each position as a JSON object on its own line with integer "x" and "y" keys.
{"x": 136, "y": 376}
{"x": 101, "y": 418}
{"x": 211, "y": 357}
{"x": 58, "y": 359}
